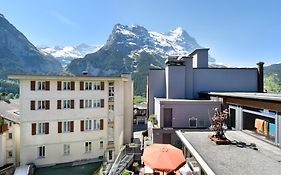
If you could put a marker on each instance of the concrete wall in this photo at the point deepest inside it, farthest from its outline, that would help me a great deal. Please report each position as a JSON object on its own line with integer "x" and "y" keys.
{"x": 223, "y": 80}
{"x": 156, "y": 87}
{"x": 175, "y": 82}
{"x": 12, "y": 145}
{"x": 123, "y": 113}
{"x": 183, "y": 110}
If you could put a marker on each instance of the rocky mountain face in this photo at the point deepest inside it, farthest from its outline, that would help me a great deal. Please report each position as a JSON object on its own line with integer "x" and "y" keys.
{"x": 18, "y": 55}
{"x": 133, "y": 49}
{"x": 65, "y": 54}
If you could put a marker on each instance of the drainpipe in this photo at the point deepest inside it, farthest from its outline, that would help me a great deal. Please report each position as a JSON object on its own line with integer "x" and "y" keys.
{"x": 260, "y": 76}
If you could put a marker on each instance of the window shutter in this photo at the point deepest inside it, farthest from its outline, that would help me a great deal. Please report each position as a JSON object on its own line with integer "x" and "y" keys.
{"x": 72, "y": 104}
{"x": 102, "y": 103}
{"x": 33, "y": 129}
{"x": 58, "y": 104}
{"x": 47, "y": 104}
{"x": 47, "y": 85}
{"x": 59, "y": 127}
{"x": 102, "y": 85}
{"x": 101, "y": 124}
{"x": 46, "y": 128}
{"x": 59, "y": 85}
{"x": 82, "y": 125}
{"x": 81, "y": 103}
{"x": 72, "y": 85}
{"x": 72, "y": 126}
{"x": 32, "y": 105}
{"x": 32, "y": 85}
{"x": 81, "y": 85}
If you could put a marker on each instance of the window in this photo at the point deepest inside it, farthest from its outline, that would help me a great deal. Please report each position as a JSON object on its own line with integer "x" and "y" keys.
{"x": 41, "y": 151}
{"x": 101, "y": 144}
{"x": 41, "y": 128}
{"x": 41, "y": 85}
{"x": 66, "y": 104}
{"x": 10, "y": 123}
{"x": 111, "y": 91}
{"x": 88, "y": 85}
{"x": 88, "y": 125}
{"x": 193, "y": 122}
{"x": 96, "y": 103}
{"x": 88, "y": 103}
{"x": 96, "y": 124}
{"x": 67, "y": 85}
{"x": 201, "y": 123}
{"x": 88, "y": 147}
{"x": 110, "y": 155}
{"x": 111, "y": 107}
{"x": 10, "y": 135}
{"x": 66, "y": 149}
{"x": 41, "y": 104}
{"x": 96, "y": 86}
{"x": 10, "y": 153}
{"x": 67, "y": 126}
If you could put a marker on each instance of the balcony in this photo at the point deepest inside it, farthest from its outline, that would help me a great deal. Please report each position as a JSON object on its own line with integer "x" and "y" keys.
{"x": 111, "y": 99}
{"x": 110, "y": 144}
{"x": 110, "y": 124}
{"x": 3, "y": 128}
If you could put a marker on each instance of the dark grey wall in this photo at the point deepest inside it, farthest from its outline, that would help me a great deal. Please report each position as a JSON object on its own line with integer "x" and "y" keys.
{"x": 223, "y": 80}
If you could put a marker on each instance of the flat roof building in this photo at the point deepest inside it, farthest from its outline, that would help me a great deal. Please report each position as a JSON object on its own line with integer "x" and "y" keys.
{"x": 69, "y": 118}
{"x": 210, "y": 159}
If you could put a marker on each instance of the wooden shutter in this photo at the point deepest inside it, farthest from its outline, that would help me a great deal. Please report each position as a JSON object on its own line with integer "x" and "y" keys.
{"x": 102, "y": 103}
{"x": 32, "y": 85}
{"x": 32, "y": 105}
{"x": 72, "y": 104}
{"x": 59, "y": 85}
{"x": 59, "y": 127}
{"x": 46, "y": 128}
{"x": 33, "y": 129}
{"x": 72, "y": 85}
{"x": 72, "y": 126}
{"x": 47, "y": 85}
{"x": 81, "y": 85}
{"x": 58, "y": 104}
{"x": 101, "y": 124}
{"x": 81, "y": 103}
{"x": 47, "y": 104}
{"x": 82, "y": 125}
{"x": 102, "y": 85}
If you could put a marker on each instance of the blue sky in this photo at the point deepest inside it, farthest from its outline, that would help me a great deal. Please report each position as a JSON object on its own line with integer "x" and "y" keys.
{"x": 238, "y": 32}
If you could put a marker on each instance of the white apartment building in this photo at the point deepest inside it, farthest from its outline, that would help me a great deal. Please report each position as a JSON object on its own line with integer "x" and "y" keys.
{"x": 9, "y": 134}
{"x": 72, "y": 118}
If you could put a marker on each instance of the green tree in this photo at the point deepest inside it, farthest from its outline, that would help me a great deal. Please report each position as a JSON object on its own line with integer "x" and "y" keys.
{"x": 272, "y": 83}
{"x": 10, "y": 96}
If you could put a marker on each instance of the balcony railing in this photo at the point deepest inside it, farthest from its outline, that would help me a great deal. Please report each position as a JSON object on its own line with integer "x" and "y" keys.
{"x": 110, "y": 144}
{"x": 111, "y": 99}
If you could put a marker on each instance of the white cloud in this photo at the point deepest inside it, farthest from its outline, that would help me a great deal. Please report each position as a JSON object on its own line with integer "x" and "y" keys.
{"x": 63, "y": 19}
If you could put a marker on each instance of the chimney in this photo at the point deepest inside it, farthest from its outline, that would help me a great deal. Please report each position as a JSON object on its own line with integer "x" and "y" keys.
{"x": 260, "y": 76}
{"x": 200, "y": 58}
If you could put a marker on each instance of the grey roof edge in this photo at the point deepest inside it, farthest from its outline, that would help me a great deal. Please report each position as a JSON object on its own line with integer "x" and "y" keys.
{"x": 196, "y": 155}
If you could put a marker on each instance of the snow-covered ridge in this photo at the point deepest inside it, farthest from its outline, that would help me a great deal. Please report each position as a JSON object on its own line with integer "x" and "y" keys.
{"x": 65, "y": 54}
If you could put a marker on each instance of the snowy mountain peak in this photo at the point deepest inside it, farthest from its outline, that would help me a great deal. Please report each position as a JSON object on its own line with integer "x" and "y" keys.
{"x": 67, "y": 53}
{"x": 177, "y": 31}
{"x": 1, "y": 16}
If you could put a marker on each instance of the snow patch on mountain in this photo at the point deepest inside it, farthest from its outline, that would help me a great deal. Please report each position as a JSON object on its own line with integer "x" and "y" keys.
{"x": 65, "y": 54}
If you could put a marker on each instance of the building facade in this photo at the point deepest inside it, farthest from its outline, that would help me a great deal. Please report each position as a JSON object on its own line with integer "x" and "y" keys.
{"x": 174, "y": 93}
{"x": 9, "y": 135}
{"x": 72, "y": 118}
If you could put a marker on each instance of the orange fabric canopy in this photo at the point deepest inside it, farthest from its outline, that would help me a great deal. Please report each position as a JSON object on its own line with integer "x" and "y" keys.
{"x": 163, "y": 157}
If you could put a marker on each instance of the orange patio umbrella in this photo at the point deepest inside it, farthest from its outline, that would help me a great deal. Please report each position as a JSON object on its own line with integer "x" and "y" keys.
{"x": 163, "y": 157}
